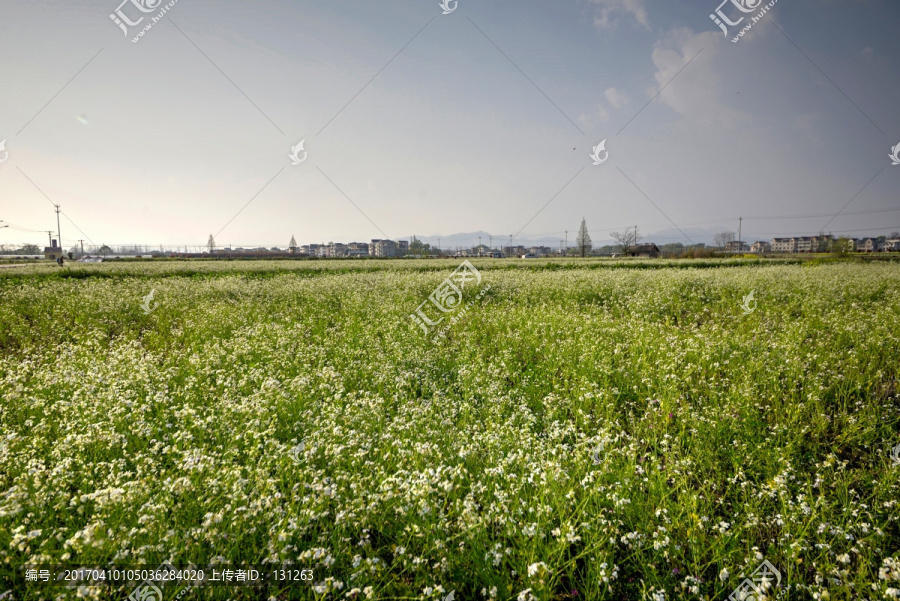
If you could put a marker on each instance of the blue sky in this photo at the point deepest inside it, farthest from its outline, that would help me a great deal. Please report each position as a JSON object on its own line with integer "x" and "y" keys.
{"x": 416, "y": 122}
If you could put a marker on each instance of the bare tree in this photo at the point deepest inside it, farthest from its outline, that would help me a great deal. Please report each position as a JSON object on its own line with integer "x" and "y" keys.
{"x": 627, "y": 239}
{"x": 723, "y": 238}
{"x": 583, "y": 241}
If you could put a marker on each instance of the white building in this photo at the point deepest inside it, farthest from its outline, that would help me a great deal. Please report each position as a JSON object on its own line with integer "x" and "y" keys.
{"x": 386, "y": 248}
{"x": 760, "y": 246}
{"x": 869, "y": 245}
{"x": 784, "y": 245}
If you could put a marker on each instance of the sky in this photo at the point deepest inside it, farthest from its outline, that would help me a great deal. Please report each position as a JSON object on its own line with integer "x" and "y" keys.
{"x": 416, "y": 122}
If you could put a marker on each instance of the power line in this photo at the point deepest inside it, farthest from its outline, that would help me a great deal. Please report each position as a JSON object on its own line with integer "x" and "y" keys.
{"x": 248, "y": 202}
{"x": 857, "y": 194}
{"x": 79, "y": 229}
{"x": 60, "y": 91}
{"x": 655, "y": 205}
{"x": 545, "y": 206}
{"x": 36, "y": 186}
{"x": 730, "y": 219}
{"x": 336, "y": 187}
{"x": 865, "y": 229}
{"x": 22, "y": 229}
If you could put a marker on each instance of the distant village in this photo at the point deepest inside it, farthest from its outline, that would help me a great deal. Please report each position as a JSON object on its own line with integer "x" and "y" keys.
{"x": 798, "y": 244}
{"x": 382, "y": 248}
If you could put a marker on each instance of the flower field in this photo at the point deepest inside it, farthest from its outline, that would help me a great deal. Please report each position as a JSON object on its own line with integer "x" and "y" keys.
{"x": 586, "y": 430}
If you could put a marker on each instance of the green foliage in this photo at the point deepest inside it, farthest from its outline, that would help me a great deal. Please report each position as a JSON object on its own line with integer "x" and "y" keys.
{"x": 721, "y": 437}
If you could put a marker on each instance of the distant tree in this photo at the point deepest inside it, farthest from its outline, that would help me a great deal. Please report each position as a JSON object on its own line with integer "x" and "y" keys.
{"x": 105, "y": 250}
{"x": 416, "y": 247}
{"x": 211, "y": 244}
{"x": 672, "y": 249}
{"x": 30, "y": 249}
{"x": 842, "y": 246}
{"x": 627, "y": 239}
{"x": 583, "y": 241}
{"x": 723, "y": 238}
{"x": 894, "y": 235}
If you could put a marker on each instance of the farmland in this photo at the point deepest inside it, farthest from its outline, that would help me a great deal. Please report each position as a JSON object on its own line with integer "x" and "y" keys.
{"x": 586, "y": 430}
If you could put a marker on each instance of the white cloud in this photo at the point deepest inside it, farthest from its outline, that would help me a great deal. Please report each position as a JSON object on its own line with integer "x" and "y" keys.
{"x": 695, "y": 92}
{"x": 607, "y": 8}
{"x": 589, "y": 121}
{"x": 616, "y": 98}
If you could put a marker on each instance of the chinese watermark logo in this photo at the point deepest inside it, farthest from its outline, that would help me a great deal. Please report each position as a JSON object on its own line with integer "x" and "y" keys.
{"x": 745, "y": 306}
{"x": 744, "y": 6}
{"x": 449, "y": 6}
{"x": 143, "y": 7}
{"x": 895, "y": 154}
{"x": 758, "y": 584}
{"x": 146, "y": 304}
{"x": 895, "y": 455}
{"x": 296, "y": 452}
{"x": 295, "y": 153}
{"x": 6, "y": 152}
{"x": 596, "y": 154}
{"x": 146, "y": 591}
{"x": 447, "y": 298}
{"x": 595, "y": 455}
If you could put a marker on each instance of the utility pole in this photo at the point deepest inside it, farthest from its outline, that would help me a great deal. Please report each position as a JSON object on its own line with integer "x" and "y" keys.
{"x": 567, "y": 243}
{"x": 740, "y": 244}
{"x": 58, "y": 232}
{"x": 82, "y": 247}
{"x": 49, "y": 241}
{"x": 492, "y": 242}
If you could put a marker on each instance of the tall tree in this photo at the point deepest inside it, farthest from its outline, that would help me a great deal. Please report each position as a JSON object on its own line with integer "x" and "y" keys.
{"x": 723, "y": 238}
{"x": 627, "y": 239}
{"x": 211, "y": 244}
{"x": 583, "y": 241}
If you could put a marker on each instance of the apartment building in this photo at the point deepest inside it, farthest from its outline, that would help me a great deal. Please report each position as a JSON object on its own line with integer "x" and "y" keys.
{"x": 784, "y": 245}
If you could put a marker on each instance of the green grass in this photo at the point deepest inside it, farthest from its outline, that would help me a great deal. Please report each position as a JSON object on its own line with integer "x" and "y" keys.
{"x": 467, "y": 462}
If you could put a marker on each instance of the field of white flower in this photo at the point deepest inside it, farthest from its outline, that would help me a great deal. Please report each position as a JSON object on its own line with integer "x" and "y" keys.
{"x": 584, "y": 431}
